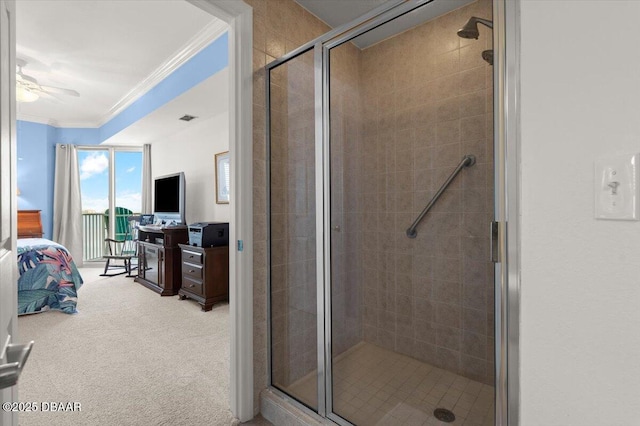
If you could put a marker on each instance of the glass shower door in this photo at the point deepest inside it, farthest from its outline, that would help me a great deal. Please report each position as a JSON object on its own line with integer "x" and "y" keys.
{"x": 411, "y": 319}
{"x": 292, "y": 229}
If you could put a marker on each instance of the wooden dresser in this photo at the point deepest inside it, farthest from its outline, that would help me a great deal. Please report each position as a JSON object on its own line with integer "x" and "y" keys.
{"x": 29, "y": 224}
{"x": 205, "y": 274}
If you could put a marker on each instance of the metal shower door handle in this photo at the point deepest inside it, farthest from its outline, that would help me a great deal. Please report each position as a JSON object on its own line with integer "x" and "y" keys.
{"x": 494, "y": 247}
{"x": 16, "y": 358}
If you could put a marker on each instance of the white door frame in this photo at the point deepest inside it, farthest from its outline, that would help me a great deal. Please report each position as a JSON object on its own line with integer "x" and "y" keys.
{"x": 8, "y": 214}
{"x": 239, "y": 16}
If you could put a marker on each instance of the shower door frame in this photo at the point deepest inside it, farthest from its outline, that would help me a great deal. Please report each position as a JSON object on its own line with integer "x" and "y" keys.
{"x": 322, "y": 249}
{"x": 506, "y": 111}
{"x": 506, "y": 196}
{"x": 323, "y": 134}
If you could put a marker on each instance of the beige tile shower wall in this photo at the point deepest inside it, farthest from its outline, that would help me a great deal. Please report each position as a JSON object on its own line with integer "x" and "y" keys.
{"x": 293, "y": 295}
{"x": 293, "y": 255}
{"x": 427, "y": 101}
{"x": 293, "y": 242}
{"x": 346, "y": 223}
{"x": 282, "y": 25}
{"x": 278, "y": 27}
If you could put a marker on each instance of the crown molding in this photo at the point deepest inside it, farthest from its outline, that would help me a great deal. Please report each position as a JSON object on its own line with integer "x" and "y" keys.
{"x": 198, "y": 42}
{"x": 55, "y": 123}
{"x": 37, "y": 119}
{"x": 77, "y": 125}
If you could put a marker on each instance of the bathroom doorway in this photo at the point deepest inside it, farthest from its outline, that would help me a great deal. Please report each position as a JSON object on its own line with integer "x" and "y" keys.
{"x": 381, "y": 192}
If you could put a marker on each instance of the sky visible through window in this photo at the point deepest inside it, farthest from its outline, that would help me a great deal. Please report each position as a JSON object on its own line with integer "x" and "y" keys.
{"x": 94, "y": 180}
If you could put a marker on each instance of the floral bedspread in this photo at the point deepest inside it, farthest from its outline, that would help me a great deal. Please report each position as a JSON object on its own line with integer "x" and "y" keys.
{"x": 49, "y": 278}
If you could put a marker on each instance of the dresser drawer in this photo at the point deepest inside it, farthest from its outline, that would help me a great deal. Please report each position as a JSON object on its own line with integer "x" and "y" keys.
{"x": 191, "y": 256}
{"x": 191, "y": 270}
{"x": 192, "y": 285}
{"x": 205, "y": 274}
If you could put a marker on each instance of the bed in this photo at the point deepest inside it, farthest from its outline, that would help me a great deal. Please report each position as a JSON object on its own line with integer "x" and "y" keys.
{"x": 49, "y": 278}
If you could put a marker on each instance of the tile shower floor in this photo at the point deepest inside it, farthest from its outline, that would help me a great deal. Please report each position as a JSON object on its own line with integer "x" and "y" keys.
{"x": 376, "y": 386}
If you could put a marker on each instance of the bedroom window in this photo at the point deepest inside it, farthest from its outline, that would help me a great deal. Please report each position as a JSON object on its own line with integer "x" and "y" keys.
{"x": 110, "y": 181}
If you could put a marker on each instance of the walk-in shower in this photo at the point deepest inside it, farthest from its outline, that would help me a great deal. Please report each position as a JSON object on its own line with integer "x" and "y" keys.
{"x": 366, "y": 127}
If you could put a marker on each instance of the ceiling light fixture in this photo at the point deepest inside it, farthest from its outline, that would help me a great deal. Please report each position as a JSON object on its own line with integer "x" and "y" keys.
{"x": 29, "y": 90}
{"x": 25, "y": 95}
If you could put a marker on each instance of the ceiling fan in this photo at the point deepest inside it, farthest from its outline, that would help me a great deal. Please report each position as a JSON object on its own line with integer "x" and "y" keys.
{"x": 28, "y": 89}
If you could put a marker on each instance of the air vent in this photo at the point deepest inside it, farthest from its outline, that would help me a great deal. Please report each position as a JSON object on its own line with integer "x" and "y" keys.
{"x": 187, "y": 117}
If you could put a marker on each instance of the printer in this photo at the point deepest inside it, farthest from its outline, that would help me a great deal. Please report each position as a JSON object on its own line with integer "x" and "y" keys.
{"x": 209, "y": 234}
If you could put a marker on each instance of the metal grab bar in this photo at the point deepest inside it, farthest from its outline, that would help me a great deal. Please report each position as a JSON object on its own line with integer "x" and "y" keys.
{"x": 467, "y": 161}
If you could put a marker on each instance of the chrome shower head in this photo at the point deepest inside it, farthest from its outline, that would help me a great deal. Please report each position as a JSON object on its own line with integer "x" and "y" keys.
{"x": 487, "y": 55}
{"x": 470, "y": 29}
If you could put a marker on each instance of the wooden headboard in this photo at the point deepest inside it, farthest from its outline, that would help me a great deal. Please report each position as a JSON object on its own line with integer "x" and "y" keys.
{"x": 29, "y": 224}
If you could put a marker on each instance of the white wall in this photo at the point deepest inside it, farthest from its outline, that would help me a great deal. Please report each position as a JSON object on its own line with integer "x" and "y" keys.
{"x": 580, "y": 324}
{"x": 193, "y": 151}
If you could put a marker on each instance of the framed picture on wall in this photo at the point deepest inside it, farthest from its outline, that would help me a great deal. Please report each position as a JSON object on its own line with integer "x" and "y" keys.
{"x": 222, "y": 178}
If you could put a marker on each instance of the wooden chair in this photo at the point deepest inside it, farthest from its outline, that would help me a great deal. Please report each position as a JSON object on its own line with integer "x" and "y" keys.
{"x": 124, "y": 247}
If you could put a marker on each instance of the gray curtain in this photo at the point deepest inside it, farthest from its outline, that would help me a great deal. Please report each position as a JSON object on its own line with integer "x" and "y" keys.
{"x": 67, "y": 204}
{"x": 147, "y": 208}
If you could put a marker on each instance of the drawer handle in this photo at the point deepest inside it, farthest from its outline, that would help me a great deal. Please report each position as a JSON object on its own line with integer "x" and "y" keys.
{"x": 192, "y": 285}
{"x": 192, "y": 270}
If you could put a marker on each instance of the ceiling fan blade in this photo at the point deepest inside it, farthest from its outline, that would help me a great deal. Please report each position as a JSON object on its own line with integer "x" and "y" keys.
{"x": 59, "y": 90}
{"x": 24, "y": 77}
{"x": 49, "y": 96}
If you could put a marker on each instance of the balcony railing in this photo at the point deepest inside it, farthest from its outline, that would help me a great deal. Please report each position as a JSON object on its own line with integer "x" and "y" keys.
{"x": 95, "y": 231}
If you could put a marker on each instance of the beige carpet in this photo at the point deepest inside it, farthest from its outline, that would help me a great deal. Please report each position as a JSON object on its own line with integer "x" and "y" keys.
{"x": 129, "y": 357}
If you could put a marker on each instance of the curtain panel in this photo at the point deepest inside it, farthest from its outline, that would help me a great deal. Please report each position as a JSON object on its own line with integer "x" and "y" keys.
{"x": 67, "y": 203}
{"x": 147, "y": 208}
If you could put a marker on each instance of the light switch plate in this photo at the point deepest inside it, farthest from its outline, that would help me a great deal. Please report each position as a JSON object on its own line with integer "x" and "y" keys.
{"x": 616, "y": 187}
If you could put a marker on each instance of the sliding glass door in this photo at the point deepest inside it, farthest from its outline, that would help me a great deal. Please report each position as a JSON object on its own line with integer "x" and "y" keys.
{"x": 110, "y": 181}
